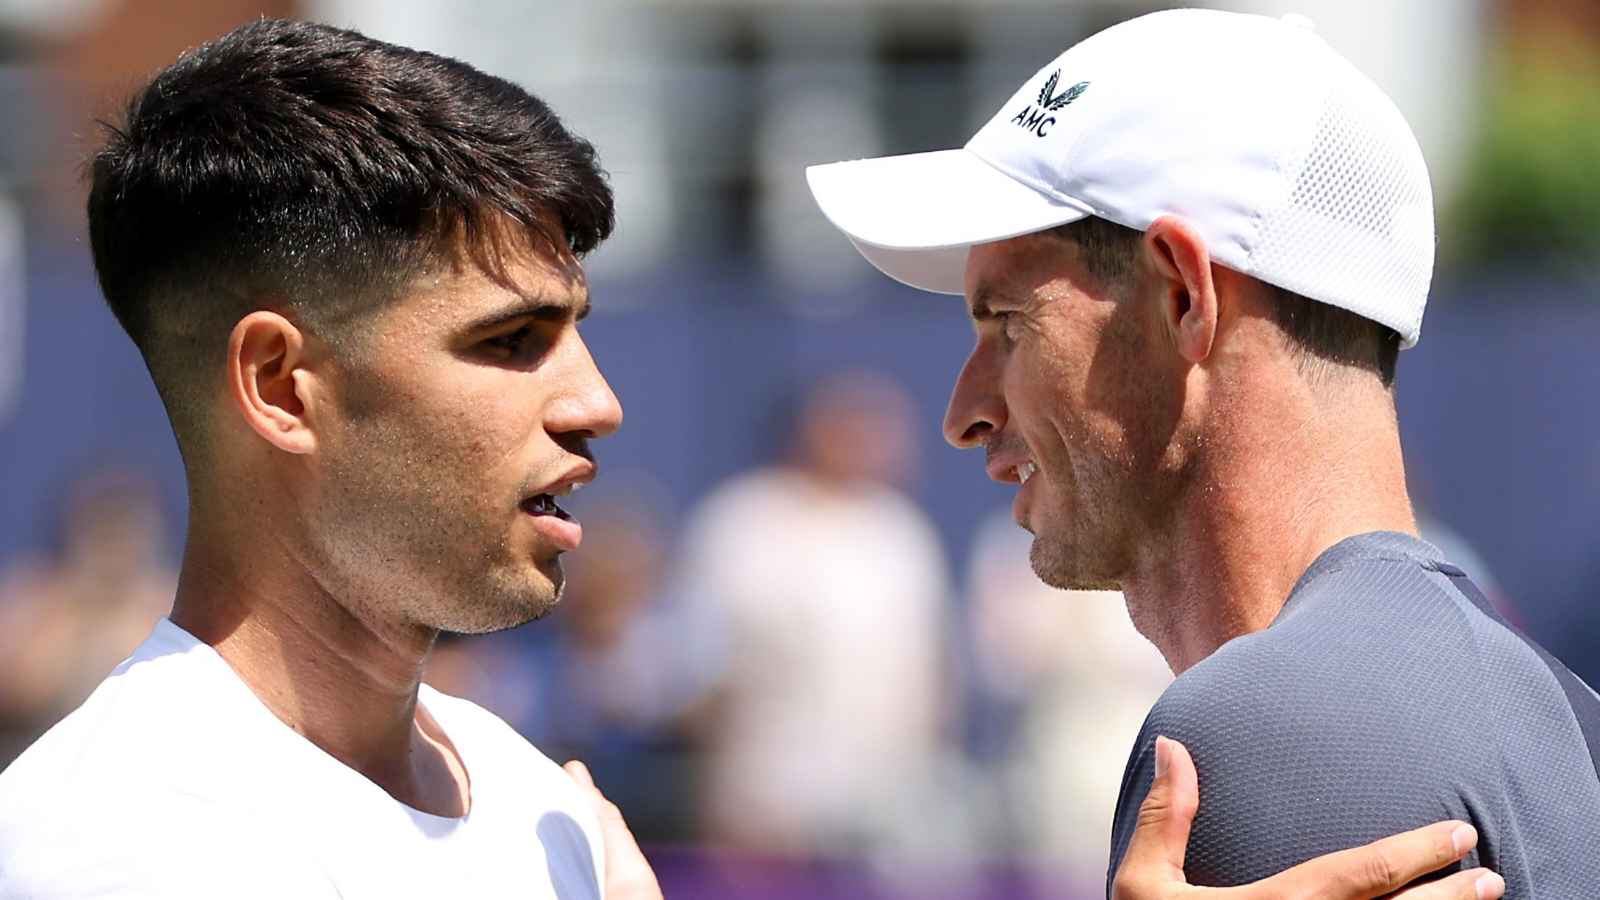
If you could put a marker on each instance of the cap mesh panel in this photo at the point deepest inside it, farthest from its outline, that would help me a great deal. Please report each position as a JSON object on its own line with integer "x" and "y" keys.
{"x": 1357, "y": 228}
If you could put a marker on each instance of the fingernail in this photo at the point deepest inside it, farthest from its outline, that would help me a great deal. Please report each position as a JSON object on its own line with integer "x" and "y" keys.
{"x": 1464, "y": 838}
{"x": 1491, "y": 887}
{"x": 1163, "y": 755}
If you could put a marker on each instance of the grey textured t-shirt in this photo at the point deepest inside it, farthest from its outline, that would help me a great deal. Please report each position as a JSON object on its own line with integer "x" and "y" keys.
{"x": 1385, "y": 696}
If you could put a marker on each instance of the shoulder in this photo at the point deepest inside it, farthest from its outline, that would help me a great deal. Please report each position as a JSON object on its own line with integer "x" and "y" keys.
{"x": 525, "y": 779}
{"x": 144, "y": 843}
{"x": 1383, "y": 698}
{"x": 111, "y": 736}
{"x": 466, "y": 721}
{"x": 169, "y": 726}
{"x": 1373, "y": 643}
{"x": 1294, "y": 761}
{"x": 1339, "y": 680}
{"x": 488, "y": 740}
{"x": 1309, "y": 735}
{"x": 1250, "y": 709}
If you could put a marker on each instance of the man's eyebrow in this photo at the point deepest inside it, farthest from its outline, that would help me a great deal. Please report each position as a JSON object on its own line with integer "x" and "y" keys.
{"x": 987, "y": 297}
{"x": 540, "y": 309}
{"x": 979, "y": 308}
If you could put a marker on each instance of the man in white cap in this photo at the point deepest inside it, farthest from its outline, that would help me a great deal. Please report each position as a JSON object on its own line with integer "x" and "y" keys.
{"x": 1192, "y": 247}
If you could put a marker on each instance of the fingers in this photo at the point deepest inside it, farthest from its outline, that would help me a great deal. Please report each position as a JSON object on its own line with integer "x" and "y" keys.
{"x": 628, "y": 873}
{"x": 1473, "y": 884}
{"x": 1152, "y": 867}
{"x": 1380, "y": 867}
{"x": 1161, "y": 837}
{"x": 580, "y": 773}
{"x": 613, "y": 830}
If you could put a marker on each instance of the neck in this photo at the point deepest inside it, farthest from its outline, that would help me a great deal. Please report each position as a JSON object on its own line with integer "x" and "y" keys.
{"x": 1263, "y": 505}
{"x": 345, "y": 682}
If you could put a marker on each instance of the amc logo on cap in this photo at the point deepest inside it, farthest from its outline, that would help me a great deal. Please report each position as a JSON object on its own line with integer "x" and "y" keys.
{"x": 1038, "y": 120}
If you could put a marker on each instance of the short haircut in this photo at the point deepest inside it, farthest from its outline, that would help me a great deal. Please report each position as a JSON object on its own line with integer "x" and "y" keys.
{"x": 1318, "y": 333}
{"x": 316, "y": 171}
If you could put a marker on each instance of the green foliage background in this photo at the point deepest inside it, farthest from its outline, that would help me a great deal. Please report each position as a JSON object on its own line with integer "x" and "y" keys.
{"x": 1532, "y": 193}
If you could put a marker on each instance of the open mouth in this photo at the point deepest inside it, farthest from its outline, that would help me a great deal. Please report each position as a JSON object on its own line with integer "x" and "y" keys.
{"x": 555, "y": 524}
{"x": 545, "y": 505}
{"x": 1026, "y": 470}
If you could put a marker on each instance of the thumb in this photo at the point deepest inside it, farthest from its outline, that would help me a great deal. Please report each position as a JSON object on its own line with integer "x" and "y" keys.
{"x": 628, "y": 874}
{"x": 1161, "y": 836}
{"x": 579, "y": 773}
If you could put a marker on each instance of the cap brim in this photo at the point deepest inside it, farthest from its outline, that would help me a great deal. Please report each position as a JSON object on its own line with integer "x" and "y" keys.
{"x": 915, "y": 216}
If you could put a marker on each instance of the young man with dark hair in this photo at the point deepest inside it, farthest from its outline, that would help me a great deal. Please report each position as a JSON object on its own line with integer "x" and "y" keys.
{"x": 1191, "y": 247}
{"x": 353, "y": 272}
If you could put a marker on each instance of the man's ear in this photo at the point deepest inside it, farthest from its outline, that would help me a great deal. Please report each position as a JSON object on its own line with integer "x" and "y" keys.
{"x": 269, "y": 382}
{"x": 1188, "y": 294}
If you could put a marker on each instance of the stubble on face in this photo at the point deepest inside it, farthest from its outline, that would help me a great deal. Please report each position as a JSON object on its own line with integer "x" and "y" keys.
{"x": 1084, "y": 534}
{"x": 425, "y": 538}
{"x": 1082, "y": 393}
{"x": 419, "y": 502}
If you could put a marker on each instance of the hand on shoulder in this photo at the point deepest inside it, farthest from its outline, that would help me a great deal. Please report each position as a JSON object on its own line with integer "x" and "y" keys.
{"x": 628, "y": 873}
{"x": 1152, "y": 867}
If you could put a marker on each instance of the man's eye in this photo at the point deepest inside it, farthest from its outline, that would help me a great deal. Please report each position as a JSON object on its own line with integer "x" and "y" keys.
{"x": 1009, "y": 324}
{"x": 512, "y": 343}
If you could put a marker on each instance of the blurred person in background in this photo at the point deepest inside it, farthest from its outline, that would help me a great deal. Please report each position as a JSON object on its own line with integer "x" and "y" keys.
{"x": 827, "y": 587}
{"x": 1067, "y": 681}
{"x": 1187, "y": 321}
{"x": 68, "y": 620}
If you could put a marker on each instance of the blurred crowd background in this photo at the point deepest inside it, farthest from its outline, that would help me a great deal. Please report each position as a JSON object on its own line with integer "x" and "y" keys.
{"x": 801, "y": 646}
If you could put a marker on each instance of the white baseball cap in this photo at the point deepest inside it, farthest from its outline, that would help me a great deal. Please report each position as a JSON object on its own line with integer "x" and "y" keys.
{"x": 1295, "y": 168}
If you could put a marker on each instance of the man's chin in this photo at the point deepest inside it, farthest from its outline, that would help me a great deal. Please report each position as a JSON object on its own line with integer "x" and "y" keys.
{"x": 503, "y": 607}
{"x": 1062, "y": 567}
{"x": 500, "y": 618}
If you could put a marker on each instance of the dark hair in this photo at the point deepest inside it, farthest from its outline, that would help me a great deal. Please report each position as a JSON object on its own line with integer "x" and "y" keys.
{"x": 1318, "y": 332}
{"x": 316, "y": 170}
{"x": 1323, "y": 334}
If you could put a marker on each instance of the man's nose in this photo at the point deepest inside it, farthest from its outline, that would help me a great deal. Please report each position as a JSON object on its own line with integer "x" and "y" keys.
{"x": 588, "y": 407}
{"x": 976, "y": 411}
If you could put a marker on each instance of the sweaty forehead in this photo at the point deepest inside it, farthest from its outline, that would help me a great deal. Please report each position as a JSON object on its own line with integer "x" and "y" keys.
{"x": 1008, "y": 272}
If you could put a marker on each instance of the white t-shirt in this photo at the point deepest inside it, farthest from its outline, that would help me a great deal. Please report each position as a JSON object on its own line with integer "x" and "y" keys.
{"x": 174, "y": 781}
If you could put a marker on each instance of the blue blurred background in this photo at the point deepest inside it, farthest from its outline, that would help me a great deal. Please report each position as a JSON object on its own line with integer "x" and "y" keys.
{"x": 801, "y": 647}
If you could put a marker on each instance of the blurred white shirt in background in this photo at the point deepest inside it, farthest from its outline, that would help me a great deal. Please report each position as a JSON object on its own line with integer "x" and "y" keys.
{"x": 1083, "y": 681}
{"x": 830, "y": 599}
